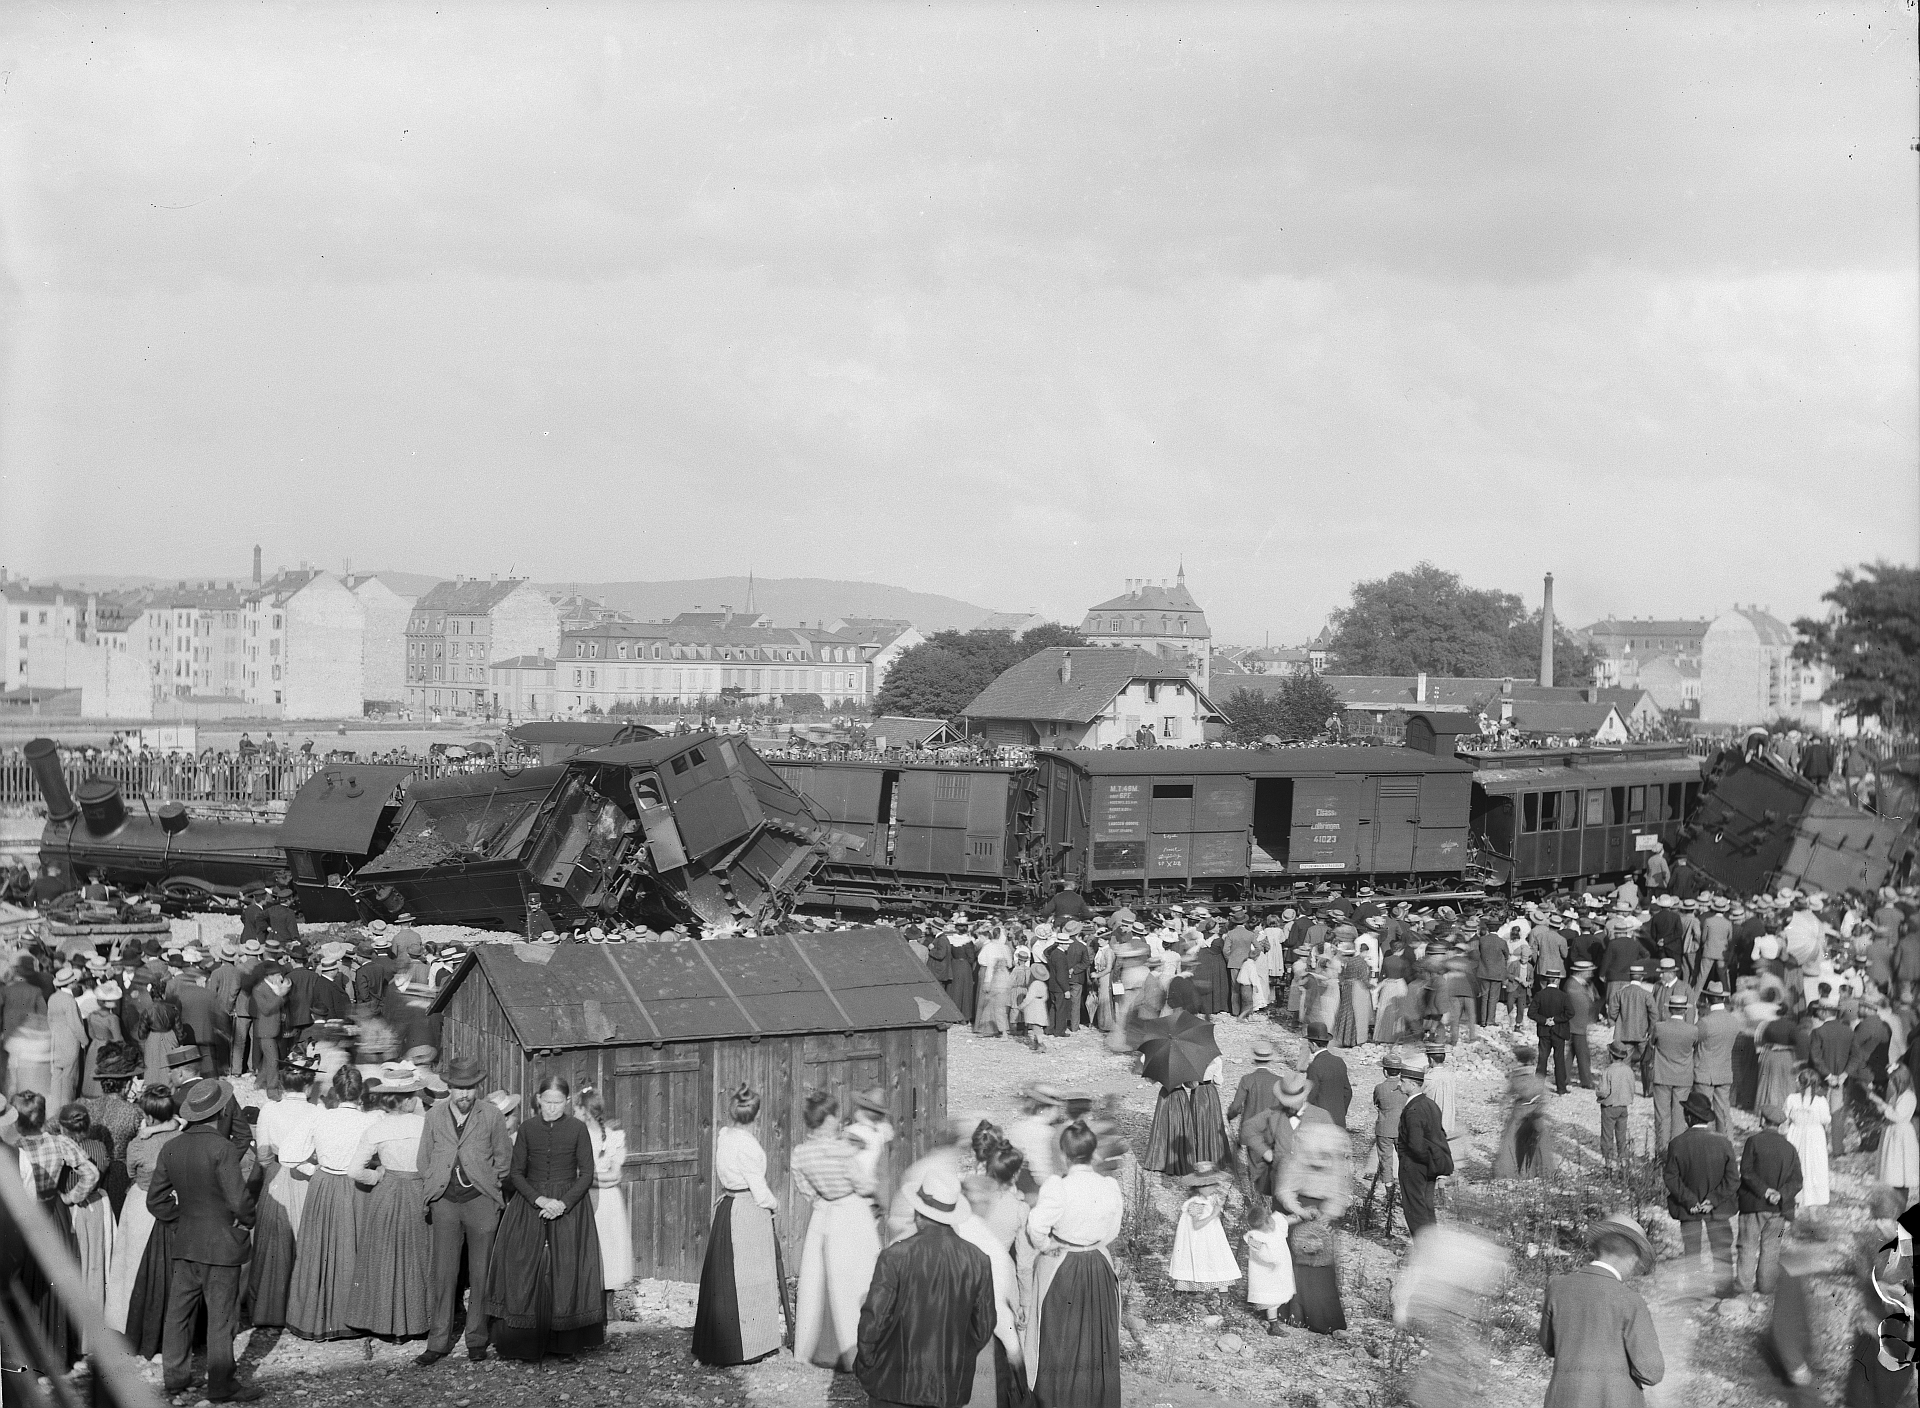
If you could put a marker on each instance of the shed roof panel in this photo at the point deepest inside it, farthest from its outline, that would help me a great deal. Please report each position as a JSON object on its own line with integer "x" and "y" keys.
{"x": 589, "y": 994}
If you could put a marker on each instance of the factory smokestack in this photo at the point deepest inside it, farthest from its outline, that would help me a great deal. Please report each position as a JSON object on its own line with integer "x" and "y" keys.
{"x": 256, "y": 564}
{"x": 1546, "y": 635}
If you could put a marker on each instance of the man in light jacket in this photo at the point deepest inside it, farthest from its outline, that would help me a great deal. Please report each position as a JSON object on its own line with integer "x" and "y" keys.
{"x": 465, "y": 1155}
{"x": 69, "y": 1036}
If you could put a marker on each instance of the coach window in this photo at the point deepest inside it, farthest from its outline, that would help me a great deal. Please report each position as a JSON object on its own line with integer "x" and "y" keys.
{"x": 1530, "y": 812}
{"x": 1596, "y": 807}
{"x": 1570, "y": 810}
{"x": 1636, "y": 804}
{"x": 1673, "y": 802}
{"x": 1692, "y": 798}
{"x": 1549, "y": 811}
{"x": 1616, "y": 806}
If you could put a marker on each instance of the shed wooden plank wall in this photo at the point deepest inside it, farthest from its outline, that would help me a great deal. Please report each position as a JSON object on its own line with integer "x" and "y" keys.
{"x": 671, "y": 1100}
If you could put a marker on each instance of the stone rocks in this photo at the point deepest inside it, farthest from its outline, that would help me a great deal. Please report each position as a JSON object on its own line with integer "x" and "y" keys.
{"x": 1229, "y": 1344}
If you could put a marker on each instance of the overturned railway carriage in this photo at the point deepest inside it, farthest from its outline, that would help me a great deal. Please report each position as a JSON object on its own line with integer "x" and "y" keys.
{"x": 660, "y": 831}
{"x": 1761, "y": 828}
{"x": 665, "y": 831}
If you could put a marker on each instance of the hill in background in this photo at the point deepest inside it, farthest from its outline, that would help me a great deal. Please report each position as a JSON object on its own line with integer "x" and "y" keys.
{"x": 787, "y": 600}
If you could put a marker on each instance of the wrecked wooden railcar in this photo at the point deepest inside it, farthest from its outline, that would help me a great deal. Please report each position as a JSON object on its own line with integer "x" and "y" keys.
{"x": 667, "y": 1031}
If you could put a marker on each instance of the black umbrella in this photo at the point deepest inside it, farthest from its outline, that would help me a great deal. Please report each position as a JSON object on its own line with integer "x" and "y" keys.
{"x": 1180, "y": 1052}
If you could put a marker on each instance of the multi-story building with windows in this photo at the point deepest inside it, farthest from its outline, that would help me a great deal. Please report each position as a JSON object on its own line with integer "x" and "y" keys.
{"x": 1159, "y": 618}
{"x": 459, "y": 628}
{"x": 701, "y": 655}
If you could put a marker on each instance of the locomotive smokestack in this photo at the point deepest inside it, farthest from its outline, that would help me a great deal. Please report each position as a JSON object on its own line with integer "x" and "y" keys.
{"x": 43, "y": 756}
{"x": 1546, "y": 635}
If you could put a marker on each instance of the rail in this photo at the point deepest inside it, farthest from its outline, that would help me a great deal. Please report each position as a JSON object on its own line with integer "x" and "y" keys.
{"x": 28, "y": 1358}
{"x": 224, "y": 782}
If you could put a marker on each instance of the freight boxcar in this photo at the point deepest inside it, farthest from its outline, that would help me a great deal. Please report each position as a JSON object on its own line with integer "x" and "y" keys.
{"x": 931, "y": 833}
{"x": 1243, "y": 822}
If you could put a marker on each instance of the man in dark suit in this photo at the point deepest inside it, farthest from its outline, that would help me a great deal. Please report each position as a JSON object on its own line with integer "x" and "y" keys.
{"x": 465, "y": 1155}
{"x": 282, "y": 923}
{"x": 1597, "y": 1329}
{"x": 1770, "y": 1181}
{"x": 1703, "y": 1187}
{"x": 1332, "y": 1088}
{"x": 199, "y": 1189}
{"x": 1830, "y": 1052}
{"x": 1424, "y": 1153}
{"x": 1552, "y": 1020}
{"x": 1066, "y": 958}
{"x": 1255, "y": 1092}
{"x": 1579, "y": 991}
{"x": 1867, "y": 1075}
{"x": 1268, "y": 1136}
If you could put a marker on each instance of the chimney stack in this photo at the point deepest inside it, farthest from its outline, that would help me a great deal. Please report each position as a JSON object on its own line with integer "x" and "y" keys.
{"x": 1066, "y": 667}
{"x": 1420, "y": 688}
{"x": 1546, "y": 635}
{"x": 256, "y": 564}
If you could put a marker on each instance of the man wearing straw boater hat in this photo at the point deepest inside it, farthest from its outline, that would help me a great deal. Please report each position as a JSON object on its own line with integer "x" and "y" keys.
{"x": 930, "y": 1308}
{"x": 1597, "y": 1329}
{"x": 1424, "y": 1153}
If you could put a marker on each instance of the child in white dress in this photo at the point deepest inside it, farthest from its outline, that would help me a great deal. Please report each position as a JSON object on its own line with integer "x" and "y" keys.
{"x": 1269, "y": 1264}
{"x": 1202, "y": 1257}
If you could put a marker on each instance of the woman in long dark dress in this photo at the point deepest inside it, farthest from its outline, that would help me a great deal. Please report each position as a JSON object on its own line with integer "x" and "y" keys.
{"x": 1071, "y": 1340}
{"x": 1188, "y": 1127}
{"x": 742, "y": 1314}
{"x": 1313, "y": 1189}
{"x": 140, "y": 1270}
{"x": 544, "y": 1286}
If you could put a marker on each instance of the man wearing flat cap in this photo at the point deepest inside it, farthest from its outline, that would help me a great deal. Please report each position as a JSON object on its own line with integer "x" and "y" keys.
{"x": 465, "y": 1156}
{"x": 198, "y": 1188}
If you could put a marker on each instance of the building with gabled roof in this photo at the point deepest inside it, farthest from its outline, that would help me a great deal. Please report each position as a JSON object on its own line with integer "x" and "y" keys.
{"x": 885, "y": 640}
{"x": 1093, "y": 698}
{"x": 1158, "y": 617}
{"x": 459, "y": 628}
{"x": 1747, "y": 671}
{"x": 667, "y": 1031}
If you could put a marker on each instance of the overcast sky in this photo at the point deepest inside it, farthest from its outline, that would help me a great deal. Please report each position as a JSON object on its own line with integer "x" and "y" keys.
{"x": 1007, "y": 303}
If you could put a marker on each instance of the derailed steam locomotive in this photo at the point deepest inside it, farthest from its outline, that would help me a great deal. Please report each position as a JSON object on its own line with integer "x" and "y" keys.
{"x": 694, "y": 829}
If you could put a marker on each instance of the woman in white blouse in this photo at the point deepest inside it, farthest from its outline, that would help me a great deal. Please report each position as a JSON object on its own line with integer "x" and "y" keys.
{"x": 392, "y": 1292}
{"x": 1073, "y": 1324}
{"x": 743, "y": 1313}
{"x": 608, "y": 1197}
{"x": 330, "y": 1223}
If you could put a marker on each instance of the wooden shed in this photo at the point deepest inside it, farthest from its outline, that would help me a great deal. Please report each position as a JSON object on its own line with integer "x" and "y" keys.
{"x": 667, "y": 1031}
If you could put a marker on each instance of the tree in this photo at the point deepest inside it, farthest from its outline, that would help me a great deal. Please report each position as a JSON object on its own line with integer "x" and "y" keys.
{"x": 939, "y": 678}
{"x": 1429, "y": 621}
{"x": 1298, "y": 709}
{"x": 1871, "y": 641}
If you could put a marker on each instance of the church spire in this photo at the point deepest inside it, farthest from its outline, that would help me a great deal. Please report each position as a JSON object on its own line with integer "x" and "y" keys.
{"x": 1181, "y": 579}
{"x": 750, "y": 610}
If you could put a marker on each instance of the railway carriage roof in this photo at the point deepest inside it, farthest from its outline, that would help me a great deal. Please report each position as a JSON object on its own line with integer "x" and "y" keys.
{"x": 1278, "y": 762}
{"x": 1622, "y": 774}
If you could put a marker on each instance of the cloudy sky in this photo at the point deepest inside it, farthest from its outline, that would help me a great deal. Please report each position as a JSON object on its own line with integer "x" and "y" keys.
{"x": 1007, "y": 303}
